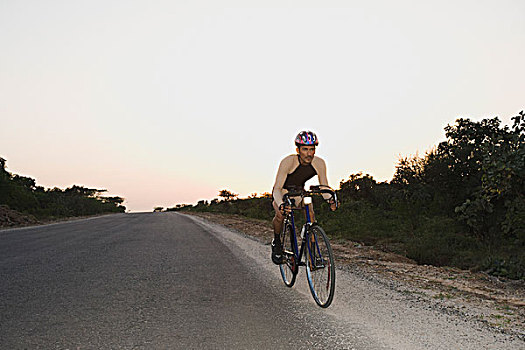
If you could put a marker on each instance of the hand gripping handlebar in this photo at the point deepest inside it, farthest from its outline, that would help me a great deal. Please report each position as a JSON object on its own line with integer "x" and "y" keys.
{"x": 319, "y": 189}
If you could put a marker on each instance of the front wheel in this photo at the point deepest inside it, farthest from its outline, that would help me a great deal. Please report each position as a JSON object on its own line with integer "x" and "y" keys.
{"x": 320, "y": 267}
{"x": 289, "y": 266}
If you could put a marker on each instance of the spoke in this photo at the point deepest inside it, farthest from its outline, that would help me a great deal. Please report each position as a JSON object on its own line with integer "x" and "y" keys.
{"x": 289, "y": 267}
{"x": 320, "y": 268}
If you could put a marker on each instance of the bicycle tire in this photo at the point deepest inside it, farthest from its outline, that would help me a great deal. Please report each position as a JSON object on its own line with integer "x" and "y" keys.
{"x": 320, "y": 266}
{"x": 289, "y": 266}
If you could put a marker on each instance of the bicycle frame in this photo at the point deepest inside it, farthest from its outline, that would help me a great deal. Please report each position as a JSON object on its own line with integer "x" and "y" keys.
{"x": 304, "y": 232}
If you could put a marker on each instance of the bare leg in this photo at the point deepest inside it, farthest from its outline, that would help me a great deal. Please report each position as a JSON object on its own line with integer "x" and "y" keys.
{"x": 277, "y": 220}
{"x": 277, "y": 250}
{"x": 312, "y": 214}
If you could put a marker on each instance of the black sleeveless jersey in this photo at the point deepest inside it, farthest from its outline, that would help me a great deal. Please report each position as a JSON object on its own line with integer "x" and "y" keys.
{"x": 300, "y": 175}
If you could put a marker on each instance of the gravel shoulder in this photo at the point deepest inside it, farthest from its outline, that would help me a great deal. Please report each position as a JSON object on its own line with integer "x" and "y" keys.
{"x": 401, "y": 304}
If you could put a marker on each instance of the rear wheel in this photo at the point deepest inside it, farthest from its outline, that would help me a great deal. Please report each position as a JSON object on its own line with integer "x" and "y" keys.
{"x": 289, "y": 266}
{"x": 320, "y": 267}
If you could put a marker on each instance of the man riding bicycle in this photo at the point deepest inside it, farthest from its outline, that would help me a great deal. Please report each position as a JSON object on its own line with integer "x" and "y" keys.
{"x": 294, "y": 170}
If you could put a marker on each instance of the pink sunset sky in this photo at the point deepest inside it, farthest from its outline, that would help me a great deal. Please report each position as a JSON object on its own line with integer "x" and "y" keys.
{"x": 167, "y": 102}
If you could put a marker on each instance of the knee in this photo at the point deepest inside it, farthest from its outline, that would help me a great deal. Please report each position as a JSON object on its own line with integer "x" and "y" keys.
{"x": 278, "y": 218}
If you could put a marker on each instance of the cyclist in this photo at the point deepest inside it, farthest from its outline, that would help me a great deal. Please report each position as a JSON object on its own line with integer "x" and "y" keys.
{"x": 294, "y": 170}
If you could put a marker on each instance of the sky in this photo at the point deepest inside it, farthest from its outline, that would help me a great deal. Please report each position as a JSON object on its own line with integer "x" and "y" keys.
{"x": 168, "y": 102}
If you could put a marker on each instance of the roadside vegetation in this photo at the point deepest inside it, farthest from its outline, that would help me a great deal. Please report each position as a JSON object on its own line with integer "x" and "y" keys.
{"x": 462, "y": 204}
{"x": 21, "y": 194}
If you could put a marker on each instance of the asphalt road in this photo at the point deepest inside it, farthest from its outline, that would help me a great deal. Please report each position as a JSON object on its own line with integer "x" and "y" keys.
{"x": 150, "y": 281}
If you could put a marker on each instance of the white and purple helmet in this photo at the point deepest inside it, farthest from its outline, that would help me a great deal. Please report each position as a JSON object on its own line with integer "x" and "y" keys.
{"x": 306, "y": 138}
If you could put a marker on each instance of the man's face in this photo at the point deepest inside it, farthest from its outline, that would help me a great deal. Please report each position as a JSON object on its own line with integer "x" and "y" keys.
{"x": 306, "y": 154}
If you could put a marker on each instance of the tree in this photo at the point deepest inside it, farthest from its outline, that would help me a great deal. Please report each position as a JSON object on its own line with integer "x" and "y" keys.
{"x": 24, "y": 181}
{"x": 500, "y": 199}
{"x": 114, "y": 200}
{"x": 227, "y": 195}
{"x": 83, "y": 191}
{"x": 478, "y": 172}
{"x": 358, "y": 186}
{"x": 202, "y": 203}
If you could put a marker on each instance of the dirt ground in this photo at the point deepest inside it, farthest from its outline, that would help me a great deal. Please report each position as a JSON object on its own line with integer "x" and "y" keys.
{"x": 495, "y": 302}
{"x": 13, "y": 218}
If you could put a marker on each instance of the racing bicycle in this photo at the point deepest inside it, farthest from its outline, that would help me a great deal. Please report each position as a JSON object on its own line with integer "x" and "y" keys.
{"x": 314, "y": 253}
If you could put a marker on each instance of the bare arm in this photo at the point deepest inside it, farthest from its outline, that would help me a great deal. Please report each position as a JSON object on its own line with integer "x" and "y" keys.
{"x": 284, "y": 168}
{"x": 320, "y": 167}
